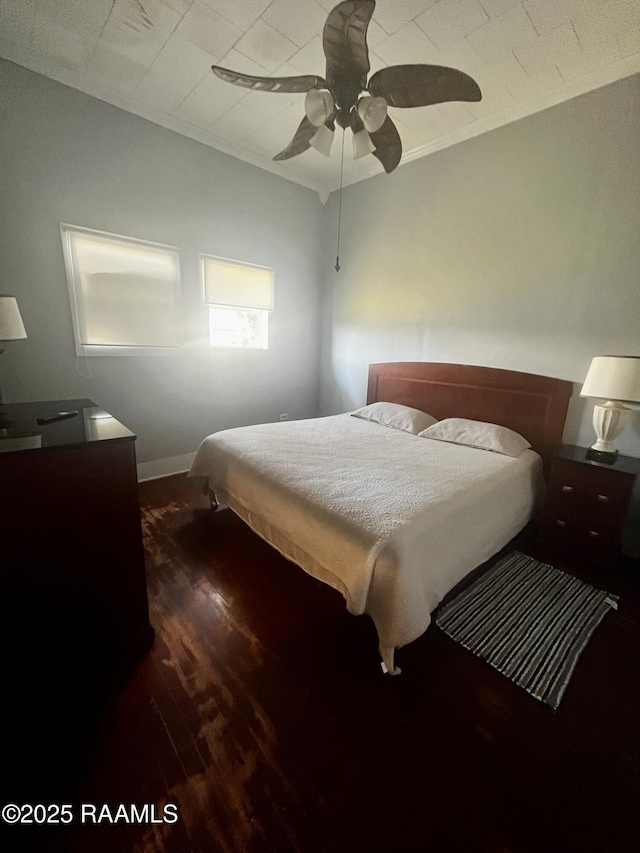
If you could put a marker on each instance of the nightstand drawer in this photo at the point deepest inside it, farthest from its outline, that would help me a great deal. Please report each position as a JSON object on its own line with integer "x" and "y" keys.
{"x": 579, "y": 534}
{"x": 576, "y": 487}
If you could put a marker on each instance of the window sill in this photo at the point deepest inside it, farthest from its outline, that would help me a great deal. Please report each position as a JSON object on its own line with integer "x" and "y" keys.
{"x": 89, "y": 350}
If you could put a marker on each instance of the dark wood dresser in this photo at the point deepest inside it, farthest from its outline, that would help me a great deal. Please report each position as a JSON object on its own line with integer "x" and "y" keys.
{"x": 587, "y": 504}
{"x": 73, "y": 572}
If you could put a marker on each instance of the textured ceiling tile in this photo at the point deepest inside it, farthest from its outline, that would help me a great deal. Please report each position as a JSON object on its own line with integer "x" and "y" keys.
{"x": 391, "y": 16}
{"x": 265, "y": 45}
{"x": 72, "y": 50}
{"x": 165, "y": 94}
{"x": 248, "y": 115}
{"x": 208, "y": 30}
{"x": 298, "y": 20}
{"x": 461, "y": 55}
{"x": 176, "y": 71}
{"x": 546, "y": 15}
{"x": 495, "y": 8}
{"x": 180, "y": 58}
{"x": 502, "y": 34}
{"x": 494, "y": 100}
{"x": 599, "y": 29}
{"x": 450, "y": 20}
{"x": 409, "y": 45}
{"x": 274, "y": 135}
{"x": 534, "y": 57}
{"x": 599, "y": 42}
{"x": 210, "y": 99}
{"x": 527, "y": 88}
{"x": 285, "y": 70}
{"x": 87, "y": 16}
{"x": 449, "y": 117}
{"x": 413, "y": 138}
{"x": 629, "y": 43}
{"x": 237, "y": 61}
{"x": 416, "y": 119}
{"x": 139, "y": 32}
{"x": 242, "y": 13}
{"x": 115, "y": 70}
{"x": 494, "y": 75}
{"x": 375, "y": 34}
{"x": 310, "y": 59}
{"x": 180, "y": 6}
{"x": 559, "y": 47}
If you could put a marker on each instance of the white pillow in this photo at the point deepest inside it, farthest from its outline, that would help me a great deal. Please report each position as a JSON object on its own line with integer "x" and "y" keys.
{"x": 396, "y": 416}
{"x": 479, "y": 434}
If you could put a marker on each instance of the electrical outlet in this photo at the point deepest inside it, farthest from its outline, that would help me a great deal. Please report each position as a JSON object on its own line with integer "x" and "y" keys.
{"x": 284, "y": 416}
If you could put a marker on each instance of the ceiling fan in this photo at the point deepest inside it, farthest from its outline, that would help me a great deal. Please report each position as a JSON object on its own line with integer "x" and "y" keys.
{"x": 346, "y": 98}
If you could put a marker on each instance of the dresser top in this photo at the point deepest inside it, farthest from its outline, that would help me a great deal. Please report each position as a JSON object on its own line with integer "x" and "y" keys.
{"x": 91, "y": 425}
{"x": 626, "y": 464}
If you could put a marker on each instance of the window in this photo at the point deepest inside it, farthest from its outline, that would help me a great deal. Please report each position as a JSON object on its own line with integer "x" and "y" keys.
{"x": 240, "y": 297}
{"x": 124, "y": 293}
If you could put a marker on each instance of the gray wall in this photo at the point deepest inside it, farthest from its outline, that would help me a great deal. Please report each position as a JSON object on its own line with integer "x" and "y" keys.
{"x": 66, "y": 157}
{"x": 517, "y": 249}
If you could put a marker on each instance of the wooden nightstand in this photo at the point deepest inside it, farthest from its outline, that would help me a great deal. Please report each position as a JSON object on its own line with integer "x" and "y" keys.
{"x": 587, "y": 503}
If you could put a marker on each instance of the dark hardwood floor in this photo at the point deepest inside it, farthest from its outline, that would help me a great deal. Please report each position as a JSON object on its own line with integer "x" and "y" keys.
{"x": 260, "y": 712}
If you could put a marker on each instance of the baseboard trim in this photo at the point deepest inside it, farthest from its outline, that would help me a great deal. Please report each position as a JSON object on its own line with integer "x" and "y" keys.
{"x": 158, "y": 468}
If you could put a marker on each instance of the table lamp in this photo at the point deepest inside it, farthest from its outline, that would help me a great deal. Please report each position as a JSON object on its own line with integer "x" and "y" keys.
{"x": 616, "y": 379}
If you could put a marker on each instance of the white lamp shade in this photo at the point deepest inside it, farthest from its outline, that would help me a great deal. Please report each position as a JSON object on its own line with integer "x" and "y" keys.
{"x": 372, "y": 112}
{"x": 362, "y": 144}
{"x": 11, "y": 325}
{"x": 613, "y": 377}
{"x": 322, "y": 140}
{"x": 318, "y": 106}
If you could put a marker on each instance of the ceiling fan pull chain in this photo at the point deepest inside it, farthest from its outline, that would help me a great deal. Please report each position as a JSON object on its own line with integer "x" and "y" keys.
{"x": 340, "y": 204}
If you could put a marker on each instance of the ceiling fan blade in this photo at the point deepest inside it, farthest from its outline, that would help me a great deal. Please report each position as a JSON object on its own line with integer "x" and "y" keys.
{"x": 388, "y": 145}
{"x": 300, "y": 142}
{"x": 344, "y": 40}
{"x": 422, "y": 85}
{"x": 303, "y": 83}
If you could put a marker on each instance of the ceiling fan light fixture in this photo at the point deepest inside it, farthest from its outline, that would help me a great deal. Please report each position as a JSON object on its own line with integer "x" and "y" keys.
{"x": 372, "y": 112}
{"x": 318, "y": 106}
{"x": 362, "y": 144}
{"x": 322, "y": 140}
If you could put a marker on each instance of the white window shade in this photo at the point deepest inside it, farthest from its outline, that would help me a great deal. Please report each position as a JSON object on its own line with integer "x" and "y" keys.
{"x": 125, "y": 293}
{"x": 238, "y": 285}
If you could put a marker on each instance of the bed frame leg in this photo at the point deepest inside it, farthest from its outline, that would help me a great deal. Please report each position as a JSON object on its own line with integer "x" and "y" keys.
{"x": 388, "y": 667}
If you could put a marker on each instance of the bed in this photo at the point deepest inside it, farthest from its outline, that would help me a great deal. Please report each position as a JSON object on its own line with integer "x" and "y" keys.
{"x": 391, "y": 519}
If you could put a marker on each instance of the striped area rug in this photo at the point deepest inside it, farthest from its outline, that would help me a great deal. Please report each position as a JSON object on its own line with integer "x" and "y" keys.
{"x": 528, "y": 620}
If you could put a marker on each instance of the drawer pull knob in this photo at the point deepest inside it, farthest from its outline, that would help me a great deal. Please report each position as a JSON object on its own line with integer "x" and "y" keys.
{"x": 568, "y": 489}
{"x": 603, "y": 499}
{"x": 594, "y": 534}
{"x": 560, "y": 523}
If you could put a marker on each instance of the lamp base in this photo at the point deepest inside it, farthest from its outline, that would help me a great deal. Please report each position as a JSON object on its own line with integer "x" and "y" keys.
{"x": 606, "y": 457}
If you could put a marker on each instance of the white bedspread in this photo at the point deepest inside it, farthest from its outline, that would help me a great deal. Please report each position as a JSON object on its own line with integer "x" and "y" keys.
{"x": 391, "y": 520}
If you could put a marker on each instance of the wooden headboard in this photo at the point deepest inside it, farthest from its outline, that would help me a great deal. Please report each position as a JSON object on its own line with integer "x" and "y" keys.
{"x": 535, "y": 406}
